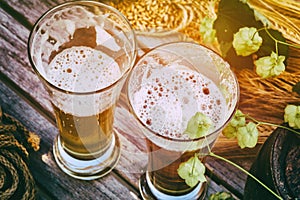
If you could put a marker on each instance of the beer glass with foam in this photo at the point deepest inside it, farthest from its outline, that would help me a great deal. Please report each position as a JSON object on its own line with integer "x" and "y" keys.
{"x": 166, "y": 88}
{"x": 83, "y": 51}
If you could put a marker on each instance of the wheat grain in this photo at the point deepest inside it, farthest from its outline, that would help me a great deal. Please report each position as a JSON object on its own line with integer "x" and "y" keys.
{"x": 163, "y": 17}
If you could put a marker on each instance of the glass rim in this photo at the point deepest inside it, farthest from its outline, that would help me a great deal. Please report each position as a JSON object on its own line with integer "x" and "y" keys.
{"x": 175, "y": 139}
{"x": 52, "y": 11}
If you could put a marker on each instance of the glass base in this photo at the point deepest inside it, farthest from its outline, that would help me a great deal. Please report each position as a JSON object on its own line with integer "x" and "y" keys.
{"x": 87, "y": 169}
{"x": 149, "y": 192}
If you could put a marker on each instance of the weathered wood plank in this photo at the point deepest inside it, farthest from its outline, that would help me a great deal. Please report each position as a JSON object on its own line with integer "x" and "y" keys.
{"x": 27, "y": 12}
{"x": 14, "y": 61}
{"x": 48, "y": 176}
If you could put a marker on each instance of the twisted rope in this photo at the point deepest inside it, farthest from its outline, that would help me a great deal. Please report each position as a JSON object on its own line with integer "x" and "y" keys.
{"x": 16, "y": 181}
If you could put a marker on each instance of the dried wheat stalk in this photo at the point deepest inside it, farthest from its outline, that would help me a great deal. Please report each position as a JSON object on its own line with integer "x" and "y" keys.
{"x": 284, "y": 16}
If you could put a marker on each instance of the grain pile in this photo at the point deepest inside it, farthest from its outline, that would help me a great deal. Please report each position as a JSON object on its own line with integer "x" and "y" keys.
{"x": 163, "y": 17}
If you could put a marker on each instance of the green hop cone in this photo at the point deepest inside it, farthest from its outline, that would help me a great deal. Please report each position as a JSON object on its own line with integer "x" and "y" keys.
{"x": 206, "y": 30}
{"x": 230, "y": 131}
{"x": 198, "y": 125}
{"x": 239, "y": 120}
{"x": 270, "y": 66}
{"x": 221, "y": 196}
{"x": 247, "y": 135}
{"x": 292, "y": 116}
{"x": 246, "y": 41}
{"x": 192, "y": 171}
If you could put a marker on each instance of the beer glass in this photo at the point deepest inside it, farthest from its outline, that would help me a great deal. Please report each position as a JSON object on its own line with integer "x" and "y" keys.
{"x": 83, "y": 51}
{"x": 168, "y": 85}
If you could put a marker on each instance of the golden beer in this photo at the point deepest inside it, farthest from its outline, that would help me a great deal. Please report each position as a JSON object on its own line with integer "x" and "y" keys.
{"x": 84, "y": 121}
{"x": 85, "y": 137}
{"x": 83, "y": 52}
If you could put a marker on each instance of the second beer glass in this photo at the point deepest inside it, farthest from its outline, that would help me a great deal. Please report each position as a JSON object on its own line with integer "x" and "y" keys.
{"x": 166, "y": 88}
{"x": 83, "y": 52}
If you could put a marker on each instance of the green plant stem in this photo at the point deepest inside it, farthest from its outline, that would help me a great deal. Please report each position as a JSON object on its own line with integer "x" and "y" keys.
{"x": 257, "y": 32}
{"x": 276, "y": 46}
{"x": 194, "y": 164}
{"x": 278, "y": 41}
{"x": 270, "y": 124}
{"x": 245, "y": 171}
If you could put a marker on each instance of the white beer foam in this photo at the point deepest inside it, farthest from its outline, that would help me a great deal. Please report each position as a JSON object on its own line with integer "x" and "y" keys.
{"x": 170, "y": 96}
{"x": 59, "y": 28}
{"x": 81, "y": 70}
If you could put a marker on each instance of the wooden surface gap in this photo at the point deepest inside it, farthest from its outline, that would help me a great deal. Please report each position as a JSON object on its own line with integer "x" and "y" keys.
{"x": 130, "y": 186}
{"x": 26, "y": 97}
{"x": 16, "y": 15}
{"x": 220, "y": 180}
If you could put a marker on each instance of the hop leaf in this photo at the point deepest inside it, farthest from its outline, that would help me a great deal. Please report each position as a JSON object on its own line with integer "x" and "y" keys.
{"x": 237, "y": 121}
{"x": 198, "y": 125}
{"x": 270, "y": 66}
{"x": 292, "y": 116}
{"x": 247, "y": 135}
{"x": 192, "y": 171}
{"x": 246, "y": 41}
{"x": 206, "y": 30}
{"x": 221, "y": 196}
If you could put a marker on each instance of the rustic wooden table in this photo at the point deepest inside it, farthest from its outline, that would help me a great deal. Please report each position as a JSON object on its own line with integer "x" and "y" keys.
{"x": 23, "y": 96}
